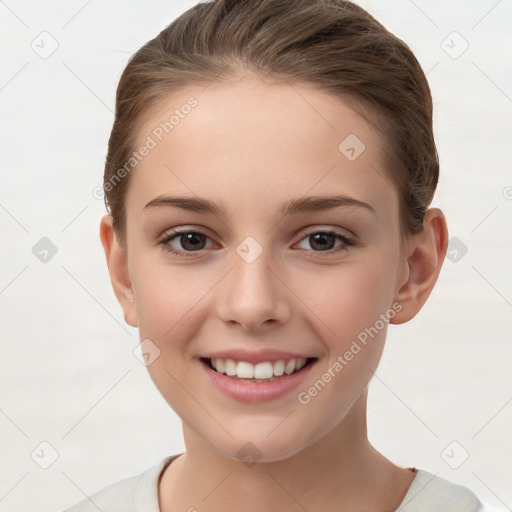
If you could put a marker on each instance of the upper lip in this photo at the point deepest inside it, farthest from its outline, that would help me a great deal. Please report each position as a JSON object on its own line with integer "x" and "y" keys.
{"x": 255, "y": 357}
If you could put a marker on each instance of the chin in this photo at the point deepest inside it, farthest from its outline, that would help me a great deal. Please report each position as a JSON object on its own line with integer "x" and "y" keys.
{"x": 258, "y": 449}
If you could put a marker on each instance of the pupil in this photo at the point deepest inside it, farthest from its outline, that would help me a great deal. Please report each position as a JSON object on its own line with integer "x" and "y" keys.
{"x": 192, "y": 241}
{"x": 324, "y": 241}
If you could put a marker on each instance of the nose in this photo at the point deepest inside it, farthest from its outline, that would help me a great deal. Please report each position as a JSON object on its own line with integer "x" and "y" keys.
{"x": 253, "y": 297}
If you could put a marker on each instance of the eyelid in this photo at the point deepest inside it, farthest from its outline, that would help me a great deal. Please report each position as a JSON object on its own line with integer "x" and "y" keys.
{"x": 181, "y": 231}
{"x": 348, "y": 241}
{"x": 319, "y": 228}
{"x": 304, "y": 232}
{"x": 169, "y": 235}
{"x": 202, "y": 230}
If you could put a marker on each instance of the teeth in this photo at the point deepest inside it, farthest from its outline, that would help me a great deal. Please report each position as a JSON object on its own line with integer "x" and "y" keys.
{"x": 265, "y": 370}
{"x": 229, "y": 365}
{"x": 245, "y": 370}
{"x": 278, "y": 368}
{"x": 290, "y": 366}
{"x": 221, "y": 367}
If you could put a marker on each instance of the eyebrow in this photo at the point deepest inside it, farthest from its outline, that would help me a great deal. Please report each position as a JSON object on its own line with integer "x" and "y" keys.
{"x": 292, "y": 207}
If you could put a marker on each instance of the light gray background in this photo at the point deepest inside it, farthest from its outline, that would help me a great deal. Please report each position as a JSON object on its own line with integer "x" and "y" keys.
{"x": 68, "y": 373}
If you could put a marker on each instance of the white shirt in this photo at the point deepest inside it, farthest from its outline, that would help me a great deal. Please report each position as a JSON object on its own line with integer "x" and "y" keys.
{"x": 139, "y": 493}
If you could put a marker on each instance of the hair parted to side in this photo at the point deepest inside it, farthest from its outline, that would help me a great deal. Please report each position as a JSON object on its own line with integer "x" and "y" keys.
{"x": 333, "y": 44}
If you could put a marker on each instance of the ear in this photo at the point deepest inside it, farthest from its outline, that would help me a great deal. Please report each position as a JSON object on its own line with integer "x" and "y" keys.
{"x": 117, "y": 262}
{"x": 425, "y": 254}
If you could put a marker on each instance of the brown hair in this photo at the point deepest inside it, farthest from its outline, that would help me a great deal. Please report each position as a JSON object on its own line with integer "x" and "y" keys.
{"x": 334, "y": 44}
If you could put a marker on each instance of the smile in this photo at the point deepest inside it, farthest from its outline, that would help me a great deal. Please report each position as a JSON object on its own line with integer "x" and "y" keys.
{"x": 266, "y": 371}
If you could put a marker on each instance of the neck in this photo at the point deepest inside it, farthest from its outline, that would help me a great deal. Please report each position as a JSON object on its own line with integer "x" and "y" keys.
{"x": 341, "y": 471}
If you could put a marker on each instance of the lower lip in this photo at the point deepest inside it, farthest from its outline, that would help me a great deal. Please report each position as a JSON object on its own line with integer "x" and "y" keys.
{"x": 256, "y": 392}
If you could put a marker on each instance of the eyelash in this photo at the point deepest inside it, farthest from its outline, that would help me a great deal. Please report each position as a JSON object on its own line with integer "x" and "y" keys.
{"x": 347, "y": 242}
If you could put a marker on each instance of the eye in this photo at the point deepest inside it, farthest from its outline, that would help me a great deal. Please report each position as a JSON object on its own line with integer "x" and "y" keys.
{"x": 185, "y": 243}
{"x": 325, "y": 241}
{"x": 189, "y": 242}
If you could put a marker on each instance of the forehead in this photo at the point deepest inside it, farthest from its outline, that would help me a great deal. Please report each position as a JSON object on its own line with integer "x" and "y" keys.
{"x": 257, "y": 142}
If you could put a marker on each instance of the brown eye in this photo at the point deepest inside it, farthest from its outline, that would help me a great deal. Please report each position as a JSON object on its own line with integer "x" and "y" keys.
{"x": 322, "y": 241}
{"x": 183, "y": 243}
{"x": 326, "y": 241}
{"x": 192, "y": 241}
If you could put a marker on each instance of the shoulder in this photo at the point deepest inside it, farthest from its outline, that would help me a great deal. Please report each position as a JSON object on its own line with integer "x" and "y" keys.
{"x": 132, "y": 494}
{"x": 430, "y": 493}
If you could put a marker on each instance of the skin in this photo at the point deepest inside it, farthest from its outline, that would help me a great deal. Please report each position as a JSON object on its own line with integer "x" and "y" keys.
{"x": 252, "y": 145}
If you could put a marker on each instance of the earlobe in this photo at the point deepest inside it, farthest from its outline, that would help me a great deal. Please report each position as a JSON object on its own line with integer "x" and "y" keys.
{"x": 425, "y": 255}
{"x": 117, "y": 262}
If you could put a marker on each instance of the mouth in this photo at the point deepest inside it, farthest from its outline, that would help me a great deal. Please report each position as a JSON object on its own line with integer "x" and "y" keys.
{"x": 268, "y": 371}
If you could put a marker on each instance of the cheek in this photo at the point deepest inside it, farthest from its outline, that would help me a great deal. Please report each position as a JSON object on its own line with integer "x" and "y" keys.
{"x": 354, "y": 305}
{"x": 166, "y": 300}
{"x": 350, "y": 298}
{"x": 170, "y": 304}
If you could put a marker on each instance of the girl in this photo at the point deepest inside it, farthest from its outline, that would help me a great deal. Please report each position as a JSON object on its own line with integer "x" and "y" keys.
{"x": 268, "y": 181}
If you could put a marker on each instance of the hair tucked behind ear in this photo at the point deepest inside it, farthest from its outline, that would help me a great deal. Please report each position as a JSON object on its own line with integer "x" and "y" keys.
{"x": 334, "y": 44}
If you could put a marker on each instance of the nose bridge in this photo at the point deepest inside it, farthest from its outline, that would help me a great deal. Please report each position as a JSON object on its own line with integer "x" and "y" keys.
{"x": 252, "y": 296}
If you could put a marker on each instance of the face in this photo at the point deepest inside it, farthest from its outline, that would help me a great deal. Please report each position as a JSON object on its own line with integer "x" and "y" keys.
{"x": 319, "y": 279}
